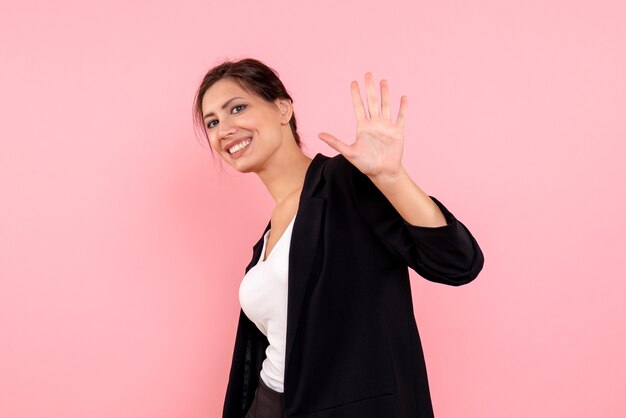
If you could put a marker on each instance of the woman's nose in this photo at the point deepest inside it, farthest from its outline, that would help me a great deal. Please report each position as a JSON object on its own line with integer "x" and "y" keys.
{"x": 225, "y": 130}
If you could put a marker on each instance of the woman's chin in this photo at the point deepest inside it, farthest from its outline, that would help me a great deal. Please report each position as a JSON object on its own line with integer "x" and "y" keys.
{"x": 242, "y": 165}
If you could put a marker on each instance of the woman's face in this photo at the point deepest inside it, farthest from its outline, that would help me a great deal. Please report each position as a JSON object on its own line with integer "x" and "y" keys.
{"x": 233, "y": 116}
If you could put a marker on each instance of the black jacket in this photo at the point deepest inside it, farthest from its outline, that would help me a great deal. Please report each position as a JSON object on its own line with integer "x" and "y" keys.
{"x": 352, "y": 349}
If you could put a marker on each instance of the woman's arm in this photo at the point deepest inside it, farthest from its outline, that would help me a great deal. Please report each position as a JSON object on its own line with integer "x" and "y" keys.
{"x": 411, "y": 202}
{"x": 447, "y": 254}
{"x": 408, "y": 222}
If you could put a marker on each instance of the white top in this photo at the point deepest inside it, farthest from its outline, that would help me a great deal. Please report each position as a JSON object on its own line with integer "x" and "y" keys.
{"x": 263, "y": 298}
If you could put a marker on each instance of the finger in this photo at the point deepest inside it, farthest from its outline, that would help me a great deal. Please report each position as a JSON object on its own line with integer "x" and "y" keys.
{"x": 372, "y": 102}
{"x": 357, "y": 103}
{"x": 384, "y": 94}
{"x": 404, "y": 100}
{"x": 335, "y": 143}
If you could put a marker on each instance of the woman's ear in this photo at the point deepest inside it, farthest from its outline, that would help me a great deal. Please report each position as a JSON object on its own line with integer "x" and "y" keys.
{"x": 285, "y": 108}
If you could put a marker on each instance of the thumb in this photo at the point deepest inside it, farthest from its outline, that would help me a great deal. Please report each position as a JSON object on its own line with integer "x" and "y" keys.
{"x": 333, "y": 142}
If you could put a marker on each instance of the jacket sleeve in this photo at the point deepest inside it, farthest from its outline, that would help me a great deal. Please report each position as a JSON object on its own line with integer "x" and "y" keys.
{"x": 447, "y": 254}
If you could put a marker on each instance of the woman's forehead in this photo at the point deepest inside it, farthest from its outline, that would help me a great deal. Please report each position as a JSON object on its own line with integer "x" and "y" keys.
{"x": 222, "y": 91}
{"x": 225, "y": 87}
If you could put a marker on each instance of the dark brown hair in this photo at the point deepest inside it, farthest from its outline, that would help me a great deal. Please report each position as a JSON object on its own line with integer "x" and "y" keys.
{"x": 254, "y": 77}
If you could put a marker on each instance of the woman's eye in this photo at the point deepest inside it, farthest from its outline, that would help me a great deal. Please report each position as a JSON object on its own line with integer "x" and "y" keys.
{"x": 243, "y": 106}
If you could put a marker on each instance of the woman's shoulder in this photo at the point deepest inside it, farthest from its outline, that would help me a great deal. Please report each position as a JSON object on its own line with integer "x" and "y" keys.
{"x": 337, "y": 168}
{"x": 340, "y": 177}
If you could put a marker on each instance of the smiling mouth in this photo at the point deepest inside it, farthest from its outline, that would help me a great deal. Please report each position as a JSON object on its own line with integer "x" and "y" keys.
{"x": 237, "y": 149}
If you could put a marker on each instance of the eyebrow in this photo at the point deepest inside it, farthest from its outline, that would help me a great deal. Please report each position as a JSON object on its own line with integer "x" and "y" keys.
{"x": 223, "y": 106}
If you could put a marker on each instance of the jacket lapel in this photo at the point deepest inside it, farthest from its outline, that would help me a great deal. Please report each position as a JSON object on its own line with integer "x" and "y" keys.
{"x": 303, "y": 248}
{"x": 256, "y": 250}
{"x": 302, "y": 255}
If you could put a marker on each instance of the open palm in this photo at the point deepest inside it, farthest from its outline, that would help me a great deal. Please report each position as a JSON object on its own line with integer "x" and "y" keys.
{"x": 377, "y": 150}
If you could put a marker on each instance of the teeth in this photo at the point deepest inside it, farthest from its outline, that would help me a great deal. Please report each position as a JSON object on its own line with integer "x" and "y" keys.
{"x": 239, "y": 146}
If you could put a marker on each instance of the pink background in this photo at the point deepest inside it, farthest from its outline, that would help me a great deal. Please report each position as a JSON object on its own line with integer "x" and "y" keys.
{"x": 122, "y": 245}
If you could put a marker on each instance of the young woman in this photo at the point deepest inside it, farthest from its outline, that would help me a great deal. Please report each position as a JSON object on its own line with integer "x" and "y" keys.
{"x": 326, "y": 327}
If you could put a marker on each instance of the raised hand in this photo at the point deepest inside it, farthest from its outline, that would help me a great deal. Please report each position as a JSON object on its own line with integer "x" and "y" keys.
{"x": 377, "y": 150}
